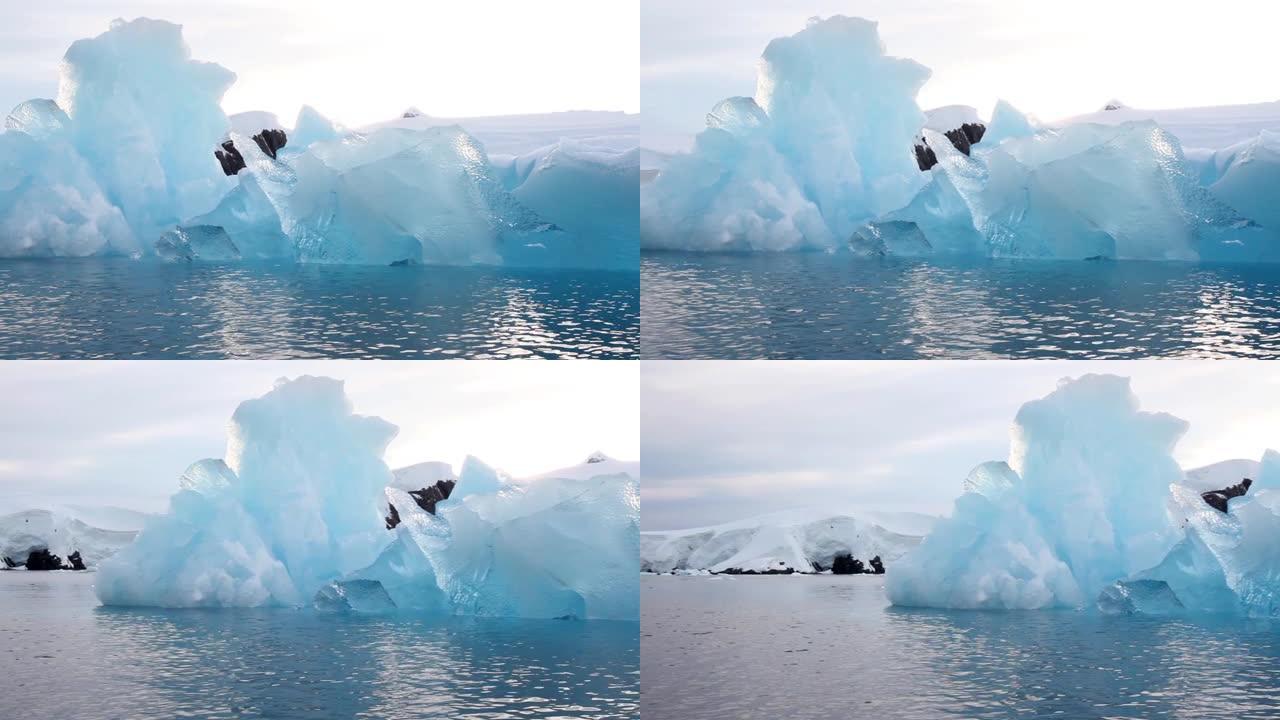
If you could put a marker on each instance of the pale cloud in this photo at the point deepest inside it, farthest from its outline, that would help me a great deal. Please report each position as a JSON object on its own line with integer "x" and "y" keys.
{"x": 365, "y": 64}
{"x": 1050, "y": 59}
{"x": 724, "y": 440}
{"x": 133, "y": 427}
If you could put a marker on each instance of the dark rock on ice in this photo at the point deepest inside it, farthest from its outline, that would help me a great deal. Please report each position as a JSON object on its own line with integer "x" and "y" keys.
{"x": 269, "y": 141}
{"x": 428, "y": 496}
{"x": 877, "y": 566}
{"x": 10, "y": 563}
{"x": 230, "y": 158}
{"x": 42, "y": 559}
{"x": 962, "y": 138}
{"x": 77, "y": 563}
{"x": 846, "y": 564}
{"x": 393, "y": 519}
{"x": 1217, "y": 499}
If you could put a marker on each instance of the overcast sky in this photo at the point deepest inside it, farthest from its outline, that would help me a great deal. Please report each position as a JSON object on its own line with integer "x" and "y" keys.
{"x": 366, "y": 61}
{"x": 727, "y": 440}
{"x": 1052, "y": 59}
{"x": 120, "y": 433}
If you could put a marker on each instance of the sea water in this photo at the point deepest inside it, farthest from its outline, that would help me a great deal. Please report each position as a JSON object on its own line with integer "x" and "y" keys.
{"x": 64, "y": 656}
{"x": 816, "y": 305}
{"x": 121, "y": 308}
{"x": 827, "y": 646}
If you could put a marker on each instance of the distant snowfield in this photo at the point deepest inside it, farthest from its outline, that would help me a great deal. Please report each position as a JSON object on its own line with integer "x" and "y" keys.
{"x": 1210, "y": 128}
{"x": 791, "y": 539}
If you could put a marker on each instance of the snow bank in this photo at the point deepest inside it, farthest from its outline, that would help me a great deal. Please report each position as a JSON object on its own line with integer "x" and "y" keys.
{"x": 794, "y": 540}
{"x": 298, "y": 515}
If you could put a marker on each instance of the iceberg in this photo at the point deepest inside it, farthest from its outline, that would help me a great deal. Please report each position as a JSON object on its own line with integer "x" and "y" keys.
{"x": 303, "y": 512}
{"x": 1226, "y": 560}
{"x": 1079, "y": 505}
{"x": 822, "y": 159}
{"x": 123, "y": 163}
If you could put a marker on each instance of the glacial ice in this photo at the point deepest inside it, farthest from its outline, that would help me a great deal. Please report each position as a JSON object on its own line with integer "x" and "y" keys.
{"x": 294, "y": 516}
{"x": 822, "y": 158}
{"x": 1079, "y": 505}
{"x": 1225, "y": 562}
{"x": 1091, "y": 511}
{"x": 122, "y": 163}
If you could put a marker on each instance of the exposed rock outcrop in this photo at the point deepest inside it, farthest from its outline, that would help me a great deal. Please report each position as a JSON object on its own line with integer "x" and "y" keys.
{"x": 269, "y": 141}
{"x": 877, "y": 567}
{"x": 428, "y": 496}
{"x": 76, "y": 562}
{"x": 963, "y": 138}
{"x": 42, "y": 559}
{"x": 1217, "y": 499}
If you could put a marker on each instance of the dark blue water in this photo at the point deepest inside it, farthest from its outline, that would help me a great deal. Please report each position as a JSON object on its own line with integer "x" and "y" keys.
{"x": 826, "y": 646}
{"x": 120, "y": 308}
{"x": 63, "y": 657}
{"x": 812, "y": 305}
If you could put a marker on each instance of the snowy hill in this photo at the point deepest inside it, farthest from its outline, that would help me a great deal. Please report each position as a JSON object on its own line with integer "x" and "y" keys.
{"x": 1203, "y": 127}
{"x": 792, "y": 539}
{"x": 23, "y": 532}
{"x": 1221, "y": 474}
{"x": 519, "y": 134}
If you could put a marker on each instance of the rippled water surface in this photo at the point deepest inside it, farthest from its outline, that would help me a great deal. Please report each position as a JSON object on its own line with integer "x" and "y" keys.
{"x": 832, "y": 647}
{"x": 120, "y": 308}
{"x": 62, "y": 656}
{"x": 811, "y": 305}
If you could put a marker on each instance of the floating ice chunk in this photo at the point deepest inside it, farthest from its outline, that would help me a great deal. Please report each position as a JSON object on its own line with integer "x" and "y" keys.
{"x": 197, "y": 242}
{"x": 362, "y": 596}
{"x": 1080, "y": 505}
{"x": 1146, "y": 597}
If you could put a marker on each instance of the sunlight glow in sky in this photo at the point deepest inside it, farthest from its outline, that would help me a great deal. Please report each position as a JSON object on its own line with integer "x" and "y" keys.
{"x": 1052, "y": 59}
{"x": 120, "y": 433}
{"x": 363, "y": 62}
{"x": 728, "y": 440}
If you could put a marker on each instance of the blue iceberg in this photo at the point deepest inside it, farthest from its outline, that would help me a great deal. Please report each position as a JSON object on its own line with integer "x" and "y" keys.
{"x": 1091, "y": 511}
{"x": 834, "y": 154}
{"x": 123, "y": 163}
{"x": 303, "y": 512}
